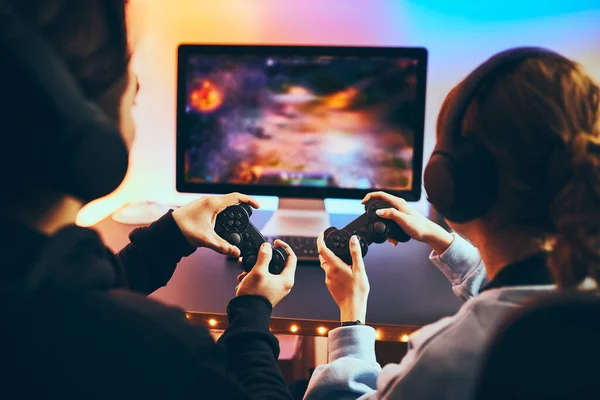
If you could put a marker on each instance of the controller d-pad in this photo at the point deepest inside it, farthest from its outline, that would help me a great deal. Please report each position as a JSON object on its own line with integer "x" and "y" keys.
{"x": 234, "y": 238}
{"x": 374, "y": 206}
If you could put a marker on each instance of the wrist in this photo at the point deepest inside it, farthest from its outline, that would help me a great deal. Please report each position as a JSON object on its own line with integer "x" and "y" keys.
{"x": 180, "y": 219}
{"x": 352, "y": 323}
{"x": 353, "y": 312}
{"x": 255, "y": 293}
{"x": 439, "y": 240}
{"x": 249, "y": 311}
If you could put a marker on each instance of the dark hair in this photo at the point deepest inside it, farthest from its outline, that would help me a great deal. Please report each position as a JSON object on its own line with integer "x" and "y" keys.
{"x": 90, "y": 36}
{"x": 541, "y": 123}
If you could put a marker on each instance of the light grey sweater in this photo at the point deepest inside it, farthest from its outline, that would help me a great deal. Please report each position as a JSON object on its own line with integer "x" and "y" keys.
{"x": 442, "y": 358}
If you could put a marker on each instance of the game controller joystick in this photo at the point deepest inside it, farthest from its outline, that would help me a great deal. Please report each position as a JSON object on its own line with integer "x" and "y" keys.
{"x": 233, "y": 224}
{"x": 369, "y": 228}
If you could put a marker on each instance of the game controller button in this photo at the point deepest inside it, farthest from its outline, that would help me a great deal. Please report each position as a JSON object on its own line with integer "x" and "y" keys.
{"x": 379, "y": 228}
{"x": 336, "y": 244}
{"x": 336, "y": 238}
{"x": 230, "y": 223}
{"x": 231, "y": 215}
{"x": 238, "y": 223}
{"x": 234, "y": 239}
{"x": 275, "y": 269}
{"x": 250, "y": 261}
{"x": 239, "y": 215}
{"x": 343, "y": 245}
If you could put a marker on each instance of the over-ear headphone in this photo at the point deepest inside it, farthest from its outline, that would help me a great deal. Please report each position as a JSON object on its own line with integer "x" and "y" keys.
{"x": 461, "y": 178}
{"x": 49, "y": 132}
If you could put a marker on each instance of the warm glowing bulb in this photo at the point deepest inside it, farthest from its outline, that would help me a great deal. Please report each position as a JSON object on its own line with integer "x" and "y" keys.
{"x": 294, "y": 328}
{"x": 212, "y": 322}
{"x": 404, "y": 338}
{"x": 321, "y": 330}
{"x": 377, "y": 335}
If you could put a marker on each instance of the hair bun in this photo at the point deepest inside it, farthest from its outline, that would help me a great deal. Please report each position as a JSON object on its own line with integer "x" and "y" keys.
{"x": 584, "y": 155}
{"x": 575, "y": 212}
{"x": 584, "y": 149}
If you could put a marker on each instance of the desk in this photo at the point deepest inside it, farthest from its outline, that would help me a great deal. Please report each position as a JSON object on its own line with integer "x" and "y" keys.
{"x": 406, "y": 288}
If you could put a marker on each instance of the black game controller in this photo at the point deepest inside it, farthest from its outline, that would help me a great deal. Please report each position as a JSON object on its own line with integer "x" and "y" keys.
{"x": 233, "y": 224}
{"x": 369, "y": 227}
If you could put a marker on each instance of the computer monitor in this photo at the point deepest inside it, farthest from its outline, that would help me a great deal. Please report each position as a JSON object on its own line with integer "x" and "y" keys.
{"x": 300, "y": 122}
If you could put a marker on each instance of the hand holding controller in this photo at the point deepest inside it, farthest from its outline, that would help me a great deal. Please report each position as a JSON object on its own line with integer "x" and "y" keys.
{"x": 369, "y": 227}
{"x": 233, "y": 224}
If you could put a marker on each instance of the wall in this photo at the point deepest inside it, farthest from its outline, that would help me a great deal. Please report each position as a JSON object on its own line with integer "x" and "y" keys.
{"x": 458, "y": 34}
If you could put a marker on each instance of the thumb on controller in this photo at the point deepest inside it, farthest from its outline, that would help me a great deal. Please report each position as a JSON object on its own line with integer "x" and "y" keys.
{"x": 356, "y": 253}
{"x": 264, "y": 256}
{"x": 400, "y": 218}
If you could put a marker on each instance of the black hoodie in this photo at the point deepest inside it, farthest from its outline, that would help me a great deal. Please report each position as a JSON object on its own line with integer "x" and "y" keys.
{"x": 75, "y": 323}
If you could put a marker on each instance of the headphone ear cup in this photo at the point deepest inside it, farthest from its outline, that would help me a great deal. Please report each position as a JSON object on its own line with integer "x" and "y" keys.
{"x": 439, "y": 180}
{"x": 462, "y": 185}
{"x": 92, "y": 163}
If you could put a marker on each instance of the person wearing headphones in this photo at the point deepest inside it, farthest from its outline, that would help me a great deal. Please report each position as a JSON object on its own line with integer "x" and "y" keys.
{"x": 75, "y": 319}
{"x": 515, "y": 172}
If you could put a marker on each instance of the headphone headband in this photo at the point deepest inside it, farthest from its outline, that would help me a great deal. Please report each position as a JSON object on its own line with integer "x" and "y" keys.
{"x": 495, "y": 66}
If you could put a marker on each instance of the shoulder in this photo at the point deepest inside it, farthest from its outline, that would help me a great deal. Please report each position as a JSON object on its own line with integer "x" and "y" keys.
{"x": 450, "y": 350}
{"x": 117, "y": 340}
{"x": 472, "y": 322}
{"x": 121, "y": 328}
{"x": 127, "y": 314}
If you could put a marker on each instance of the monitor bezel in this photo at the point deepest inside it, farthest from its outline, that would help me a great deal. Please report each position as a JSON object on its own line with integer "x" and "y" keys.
{"x": 305, "y": 192}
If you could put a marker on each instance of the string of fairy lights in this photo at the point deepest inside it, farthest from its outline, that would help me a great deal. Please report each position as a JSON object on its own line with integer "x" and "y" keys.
{"x": 288, "y": 326}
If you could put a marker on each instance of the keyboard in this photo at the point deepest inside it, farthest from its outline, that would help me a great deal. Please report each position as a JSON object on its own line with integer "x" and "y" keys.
{"x": 304, "y": 247}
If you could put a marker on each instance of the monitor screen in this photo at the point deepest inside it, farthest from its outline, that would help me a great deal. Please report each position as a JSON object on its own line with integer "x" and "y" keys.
{"x": 295, "y": 121}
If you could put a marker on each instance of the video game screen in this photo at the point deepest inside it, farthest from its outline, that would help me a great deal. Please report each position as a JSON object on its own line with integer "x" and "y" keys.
{"x": 332, "y": 122}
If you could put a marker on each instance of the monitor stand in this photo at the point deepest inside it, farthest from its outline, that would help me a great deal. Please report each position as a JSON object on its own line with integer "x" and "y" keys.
{"x": 298, "y": 217}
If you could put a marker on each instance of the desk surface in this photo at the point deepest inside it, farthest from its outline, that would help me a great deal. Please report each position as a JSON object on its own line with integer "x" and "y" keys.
{"x": 406, "y": 288}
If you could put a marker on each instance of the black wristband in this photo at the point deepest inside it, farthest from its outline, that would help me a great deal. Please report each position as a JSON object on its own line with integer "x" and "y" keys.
{"x": 352, "y": 323}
